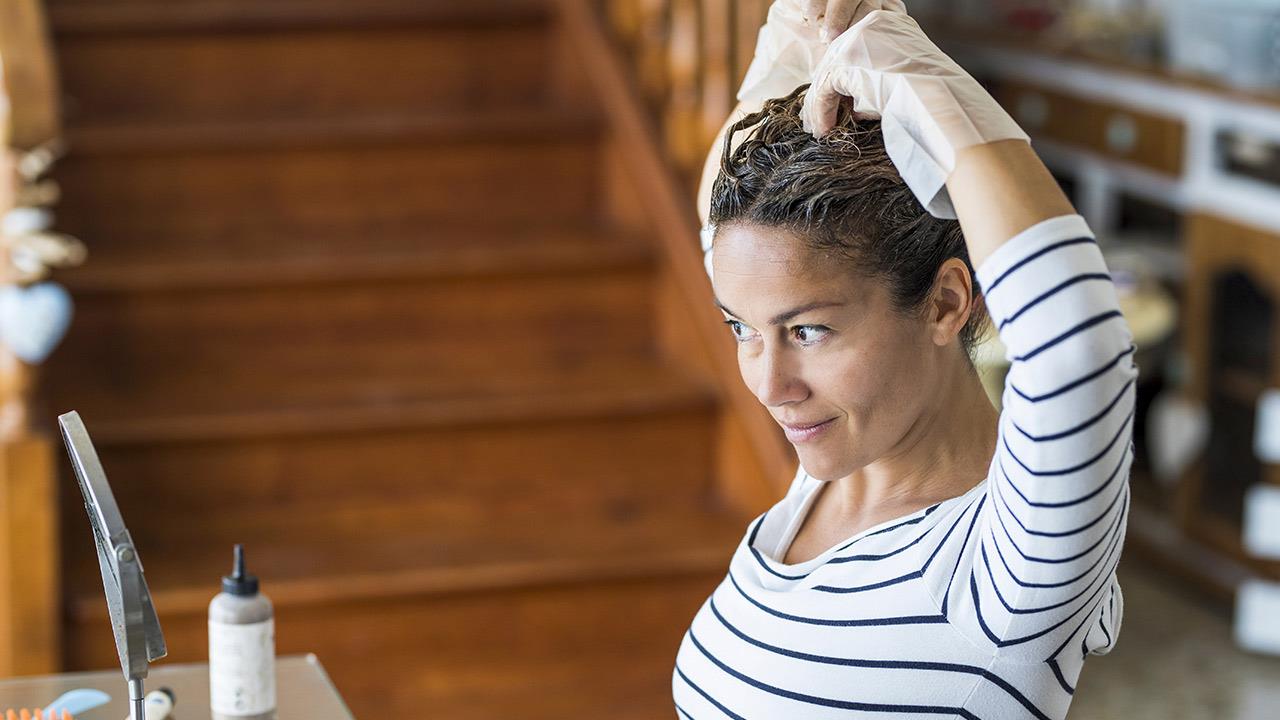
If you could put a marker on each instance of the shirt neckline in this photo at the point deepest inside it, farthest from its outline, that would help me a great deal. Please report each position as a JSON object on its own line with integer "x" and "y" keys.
{"x": 793, "y": 529}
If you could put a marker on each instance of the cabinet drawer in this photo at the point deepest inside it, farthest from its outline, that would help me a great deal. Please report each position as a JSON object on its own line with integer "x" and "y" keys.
{"x": 1109, "y": 130}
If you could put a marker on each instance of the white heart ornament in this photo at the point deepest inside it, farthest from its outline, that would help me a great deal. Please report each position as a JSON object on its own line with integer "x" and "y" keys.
{"x": 26, "y": 220}
{"x": 34, "y": 319}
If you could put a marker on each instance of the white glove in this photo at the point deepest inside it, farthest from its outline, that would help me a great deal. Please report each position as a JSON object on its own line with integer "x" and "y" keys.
{"x": 793, "y": 39}
{"x": 929, "y": 107}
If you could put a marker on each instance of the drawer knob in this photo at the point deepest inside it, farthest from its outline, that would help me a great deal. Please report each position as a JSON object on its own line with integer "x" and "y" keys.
{"x": 1032, "y": 110}
{"x": 1122, "y": 134}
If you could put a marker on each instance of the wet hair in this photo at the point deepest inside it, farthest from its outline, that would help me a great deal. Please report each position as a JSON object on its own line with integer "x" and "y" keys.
{"x": 841, "y": 195}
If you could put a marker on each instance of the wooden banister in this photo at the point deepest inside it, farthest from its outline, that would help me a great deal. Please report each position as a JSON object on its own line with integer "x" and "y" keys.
{"x": 754, "y": 461}
{"x": 688, "y": 57}
{"x": 30, "y": 599}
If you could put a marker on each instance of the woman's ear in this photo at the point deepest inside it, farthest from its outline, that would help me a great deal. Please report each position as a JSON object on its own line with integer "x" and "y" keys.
{"x": 951, "y": 302}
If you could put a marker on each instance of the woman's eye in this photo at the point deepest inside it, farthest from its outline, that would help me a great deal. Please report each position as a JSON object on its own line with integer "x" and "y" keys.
{"x": 809, "y": 334}
{"x": 740, "y": 332}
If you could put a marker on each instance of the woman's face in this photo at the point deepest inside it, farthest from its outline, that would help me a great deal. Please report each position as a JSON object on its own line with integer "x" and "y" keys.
{"x": 820, "y": 345}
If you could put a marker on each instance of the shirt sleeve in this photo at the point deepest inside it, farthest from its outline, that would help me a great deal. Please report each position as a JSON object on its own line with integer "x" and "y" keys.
{"x": 1036, "y": 578}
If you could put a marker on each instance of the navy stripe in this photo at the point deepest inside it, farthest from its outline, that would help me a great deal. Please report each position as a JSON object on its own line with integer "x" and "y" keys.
{"x": 909, "y": 576}
{"x": 982, "y": 621}
{"x": 1053, "y": 291}
{"x": 977, "y": 606}
{"x": 914, "y": 575}
{"x": 884, "y": 664}
{"x": 927, "y": 512}
{"x": 682, "y": 712}
{"x": 881, "y": 556}
{"x": 1109, "y": 573}
{"x": 1057, "y": 561}
{"x": 961, "y": 555}
{"x": 1041, "y": 533}
{"x": 828, "y": 702}
{"x": 1081, "y": 426}
{"x": 767, "y": 563}
{"x": 1018, "y": 265}
{"x": 1057, "y": 673}
{"x": 704, "y": 694}
{"x": 751, "y": 539}
{"x": 1091, "y": 322}
{"x": 760, "y": 560}
{"x": 1078, "y": 381}
{"x": 1115, "y": 538}
{"x": 1088, "y": 616}
{"x": 1111, "y": 550}
{"x": 1074, "y": 468}
{"x": 861, "y": 622}
{"x": 995, "y": 586}
{"x": 1009, "y": 482}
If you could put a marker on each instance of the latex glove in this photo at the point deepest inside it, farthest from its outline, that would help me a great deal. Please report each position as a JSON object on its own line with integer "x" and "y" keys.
{"x": 929, "y": 107}
{"x": 793, "y": 39}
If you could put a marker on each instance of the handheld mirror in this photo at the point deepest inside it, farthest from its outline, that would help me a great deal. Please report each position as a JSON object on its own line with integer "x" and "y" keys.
{"x": 139, "y": 640}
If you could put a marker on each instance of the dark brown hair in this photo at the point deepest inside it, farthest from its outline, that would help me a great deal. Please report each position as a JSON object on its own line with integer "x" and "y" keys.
{"x": 842, "y": 195}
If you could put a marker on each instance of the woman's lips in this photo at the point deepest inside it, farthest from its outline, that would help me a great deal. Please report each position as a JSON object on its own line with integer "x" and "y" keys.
{"x": 805, "y": 433}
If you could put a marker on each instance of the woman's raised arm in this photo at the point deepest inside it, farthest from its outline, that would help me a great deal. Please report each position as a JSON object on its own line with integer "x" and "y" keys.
{"x": 1035, "y": 576}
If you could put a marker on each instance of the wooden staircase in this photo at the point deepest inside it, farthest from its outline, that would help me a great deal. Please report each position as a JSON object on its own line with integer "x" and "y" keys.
{"x": 387, "y": 291}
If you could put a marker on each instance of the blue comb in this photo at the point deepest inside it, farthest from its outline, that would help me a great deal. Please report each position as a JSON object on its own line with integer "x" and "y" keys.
{"x": 76, "y": 702}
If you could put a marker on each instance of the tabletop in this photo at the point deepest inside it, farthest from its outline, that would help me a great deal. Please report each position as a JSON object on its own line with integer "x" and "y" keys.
{"x": 303, "y": 691}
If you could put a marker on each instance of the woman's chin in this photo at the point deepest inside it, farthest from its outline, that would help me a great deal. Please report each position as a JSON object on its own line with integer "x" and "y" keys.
{"x": 822, "y": 466}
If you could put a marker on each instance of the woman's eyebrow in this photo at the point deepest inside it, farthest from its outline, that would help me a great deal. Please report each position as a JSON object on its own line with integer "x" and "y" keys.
{"x": 788, "y": 315}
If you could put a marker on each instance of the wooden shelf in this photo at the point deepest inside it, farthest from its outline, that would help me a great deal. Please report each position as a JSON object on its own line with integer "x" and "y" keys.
{"x": 1238, "y": 384}
{"x": 947, "y": 32}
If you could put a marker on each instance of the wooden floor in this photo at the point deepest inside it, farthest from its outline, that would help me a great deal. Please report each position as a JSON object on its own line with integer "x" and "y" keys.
{"x": 1175, "y": 659}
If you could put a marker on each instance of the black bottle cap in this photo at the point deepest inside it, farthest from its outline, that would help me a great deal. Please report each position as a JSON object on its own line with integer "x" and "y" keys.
{"x": 239, "y": 582}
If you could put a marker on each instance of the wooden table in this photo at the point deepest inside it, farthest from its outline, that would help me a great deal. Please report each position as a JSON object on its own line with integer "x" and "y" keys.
{"x": 303, "y": 691}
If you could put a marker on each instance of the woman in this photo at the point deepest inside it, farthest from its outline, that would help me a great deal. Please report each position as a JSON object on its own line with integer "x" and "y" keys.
{"x": 931, "y": 557}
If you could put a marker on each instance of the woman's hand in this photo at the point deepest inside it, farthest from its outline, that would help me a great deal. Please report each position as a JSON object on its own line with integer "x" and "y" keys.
{"x": 793, "y": 39}
{"x": 788, "y": 50}
{"x": 929, "y": 106}
{"x": 836, "y": 16}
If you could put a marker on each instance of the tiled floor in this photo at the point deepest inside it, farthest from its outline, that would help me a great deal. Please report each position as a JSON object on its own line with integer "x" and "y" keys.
{"x": 1175, "y": 660}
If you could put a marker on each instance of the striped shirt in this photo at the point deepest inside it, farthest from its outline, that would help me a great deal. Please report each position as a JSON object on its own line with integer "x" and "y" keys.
{"x": 981, "y": 606}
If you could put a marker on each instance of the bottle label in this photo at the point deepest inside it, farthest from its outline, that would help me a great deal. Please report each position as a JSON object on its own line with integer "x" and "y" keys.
{"x": 242, "y": 668}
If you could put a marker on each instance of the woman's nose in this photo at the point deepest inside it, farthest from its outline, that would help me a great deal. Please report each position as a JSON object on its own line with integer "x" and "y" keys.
{"x": 778, "y": 381}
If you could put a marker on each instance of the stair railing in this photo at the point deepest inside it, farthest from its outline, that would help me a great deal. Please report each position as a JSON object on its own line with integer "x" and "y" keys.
{"x": 689, "y": 57}
{"x": 665, "y": 73}
{"x": 34, "y": 314}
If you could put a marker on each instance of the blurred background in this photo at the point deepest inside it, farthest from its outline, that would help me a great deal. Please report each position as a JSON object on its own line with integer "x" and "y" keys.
{"x": 406, "y": 296}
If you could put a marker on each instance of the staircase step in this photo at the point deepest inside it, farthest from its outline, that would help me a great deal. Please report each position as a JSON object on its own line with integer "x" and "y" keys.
{"x": 135, "y": 264}
{"x": 389, "y": 186}
{"x": 615, "y": 389}
{"x": 153, "y": 137}
{"x": 338, "y": 568}
{"x": 458, "y": 492}
{"x": 323, "y": 70}
{"x": 270, "y": 359}
{"x": 138, "y": 16}
{"x": 604, "y": 649}
{"x": 611, "y": 465}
